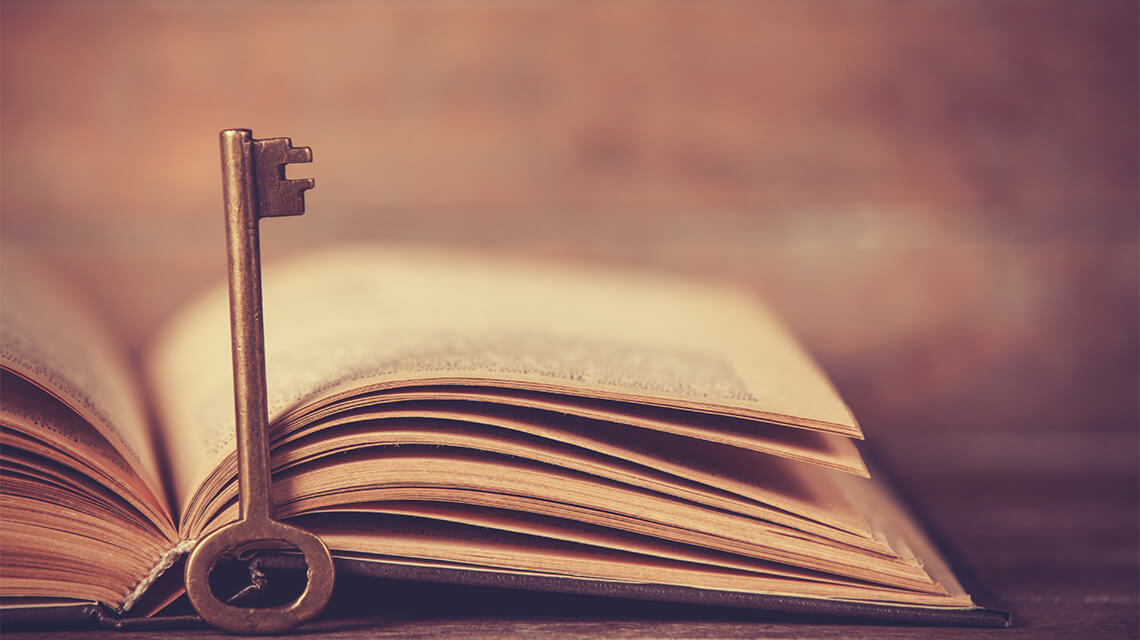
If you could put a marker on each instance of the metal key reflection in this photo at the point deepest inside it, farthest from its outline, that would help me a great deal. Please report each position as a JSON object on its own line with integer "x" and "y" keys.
{"x": 254, "y": 186}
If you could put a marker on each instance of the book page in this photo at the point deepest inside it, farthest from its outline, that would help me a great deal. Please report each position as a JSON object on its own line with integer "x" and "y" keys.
{"x": 824, "y": 449}
{"x": 779, "y": 492}
{"x": 35, "y": 421}
{"x": 353, "y": 316}
{"x": 428, "y": 542}
{"x": 49, "y": 336}
{"x": 449, "y": 475}
{"x": 63, "y": 533}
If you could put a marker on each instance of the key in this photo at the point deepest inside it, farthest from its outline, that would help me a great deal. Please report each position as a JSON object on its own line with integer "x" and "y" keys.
{"x": 254, "y": 186}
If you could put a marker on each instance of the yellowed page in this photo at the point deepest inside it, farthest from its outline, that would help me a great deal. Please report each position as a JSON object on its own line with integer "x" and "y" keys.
{"x": 780, "y": 493}
{"x": 347, "y": 317}
{"x": 433, "y": 543}
{"x": 564, "y": 530}
{"x": 49, "y": 336}
{"x": 62, "y": 534}
{"x": 805, "y": 445}
{"x": 447, "y": 475}
{"x": 787, "y": 485}
{"x": 893, "y": 524}
{"x": 33, "y": 420}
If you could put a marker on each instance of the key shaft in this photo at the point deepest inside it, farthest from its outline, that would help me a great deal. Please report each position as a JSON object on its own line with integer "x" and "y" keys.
{"x": 247, "y": 329}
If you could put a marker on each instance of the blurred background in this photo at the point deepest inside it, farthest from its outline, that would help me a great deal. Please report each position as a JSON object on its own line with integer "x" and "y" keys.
{"x": 941, "y": 198}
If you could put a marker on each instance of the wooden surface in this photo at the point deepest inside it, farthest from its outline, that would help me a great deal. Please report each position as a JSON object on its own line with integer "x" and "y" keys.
{"x": 940, "y": 198}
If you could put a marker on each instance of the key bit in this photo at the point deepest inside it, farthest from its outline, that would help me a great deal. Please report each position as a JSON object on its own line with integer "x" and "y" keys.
{"x": 254, "y": 186}
{"x": 278, "y": 195}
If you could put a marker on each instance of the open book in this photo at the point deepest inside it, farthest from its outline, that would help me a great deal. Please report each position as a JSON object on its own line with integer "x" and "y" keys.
{"x": 458, "y": 419}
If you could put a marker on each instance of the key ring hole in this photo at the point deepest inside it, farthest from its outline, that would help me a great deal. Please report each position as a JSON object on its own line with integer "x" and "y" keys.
{"x": 268, "y": 573}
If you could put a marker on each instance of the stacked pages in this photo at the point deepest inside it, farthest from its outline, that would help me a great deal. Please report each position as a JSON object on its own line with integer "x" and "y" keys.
{"x": 454, "y": 416}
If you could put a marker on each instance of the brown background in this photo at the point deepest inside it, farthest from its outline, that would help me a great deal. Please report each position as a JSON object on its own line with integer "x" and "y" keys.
{"x": 940, "y": 197}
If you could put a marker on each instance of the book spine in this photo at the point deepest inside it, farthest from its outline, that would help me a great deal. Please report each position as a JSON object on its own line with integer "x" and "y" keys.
{"x": 165, "y": 561}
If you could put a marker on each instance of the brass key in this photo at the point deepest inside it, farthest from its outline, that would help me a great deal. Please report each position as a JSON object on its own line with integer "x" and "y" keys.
{"x": 254, "y": 186}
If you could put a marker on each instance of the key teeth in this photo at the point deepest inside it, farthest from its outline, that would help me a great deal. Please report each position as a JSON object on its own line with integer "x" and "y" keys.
{"x": 297, "y": 154}
{"x": 278, "y": 195}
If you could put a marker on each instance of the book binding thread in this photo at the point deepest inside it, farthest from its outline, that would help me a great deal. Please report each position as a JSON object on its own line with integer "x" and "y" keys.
{"x": 165, "y": 561}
